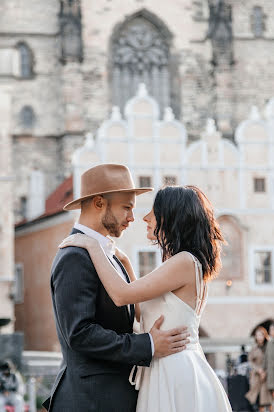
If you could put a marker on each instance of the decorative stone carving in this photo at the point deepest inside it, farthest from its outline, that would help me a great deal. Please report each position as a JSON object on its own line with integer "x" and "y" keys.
{"x": 115, "y": 114}
{"x": 220, "y": 32}
{"x": 140, "y": 54}
{"x": 200, "y": 9}
{"x": 168, "y": 115}
{"x": 269, "y": 109}
{"x": 71, "y": 31}
{"x": 254, "y": 113}
{"x": 211, "y": 126}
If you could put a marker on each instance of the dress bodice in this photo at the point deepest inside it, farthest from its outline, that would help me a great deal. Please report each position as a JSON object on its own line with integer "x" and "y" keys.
{"x": 176, "y": 312}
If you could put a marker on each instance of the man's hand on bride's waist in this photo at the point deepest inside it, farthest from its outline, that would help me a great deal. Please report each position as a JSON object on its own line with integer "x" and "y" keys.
{"x": 170, "y": 341}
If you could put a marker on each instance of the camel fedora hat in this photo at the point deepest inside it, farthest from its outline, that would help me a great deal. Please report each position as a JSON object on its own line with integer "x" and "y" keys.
{"x": 105, "y": 178}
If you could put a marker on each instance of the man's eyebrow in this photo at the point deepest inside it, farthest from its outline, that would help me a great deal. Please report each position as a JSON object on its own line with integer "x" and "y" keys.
{"x": 132, "y": 204}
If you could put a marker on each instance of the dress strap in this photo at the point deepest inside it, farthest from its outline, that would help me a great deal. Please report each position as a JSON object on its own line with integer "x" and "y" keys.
{"x": 201, "y": 286}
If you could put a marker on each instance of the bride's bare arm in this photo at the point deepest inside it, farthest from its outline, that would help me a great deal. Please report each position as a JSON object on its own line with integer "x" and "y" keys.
{"x": 171, "y": 275}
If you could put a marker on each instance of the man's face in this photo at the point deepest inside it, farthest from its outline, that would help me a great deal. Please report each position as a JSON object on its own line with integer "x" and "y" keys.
{"x": 118, "y": 213}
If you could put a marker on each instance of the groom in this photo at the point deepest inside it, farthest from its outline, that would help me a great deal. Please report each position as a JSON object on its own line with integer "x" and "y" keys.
{"x": 98, "y": 344}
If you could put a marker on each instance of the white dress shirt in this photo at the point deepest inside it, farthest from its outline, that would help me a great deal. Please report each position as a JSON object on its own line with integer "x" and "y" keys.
{"x": 108, "y": 246}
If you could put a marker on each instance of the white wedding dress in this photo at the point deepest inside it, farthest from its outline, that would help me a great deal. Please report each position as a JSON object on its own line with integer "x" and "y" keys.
{"x": 183, "y": 382}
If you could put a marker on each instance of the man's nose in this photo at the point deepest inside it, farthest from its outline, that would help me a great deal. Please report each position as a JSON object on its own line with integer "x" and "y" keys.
{"x": 130, "y": 217}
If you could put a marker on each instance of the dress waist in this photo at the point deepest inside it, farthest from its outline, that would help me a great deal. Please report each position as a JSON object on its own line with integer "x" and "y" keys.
{"x": 135, "y": 376}
{"x": 192, "y": 346}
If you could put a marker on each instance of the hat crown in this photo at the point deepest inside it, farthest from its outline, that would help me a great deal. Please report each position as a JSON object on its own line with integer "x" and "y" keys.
{"x": 106, "y": 178}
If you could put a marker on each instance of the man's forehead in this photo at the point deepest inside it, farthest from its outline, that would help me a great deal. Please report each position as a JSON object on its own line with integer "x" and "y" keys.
{"x": 126, "y": 197}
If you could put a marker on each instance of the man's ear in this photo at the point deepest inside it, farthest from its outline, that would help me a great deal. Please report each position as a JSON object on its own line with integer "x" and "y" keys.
{"x": 99, "y": 202}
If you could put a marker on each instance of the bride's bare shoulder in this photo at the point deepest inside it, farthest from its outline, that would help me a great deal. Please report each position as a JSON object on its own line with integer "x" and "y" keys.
{"x": 182, "y": 259}
{"x": 183, "y": 262}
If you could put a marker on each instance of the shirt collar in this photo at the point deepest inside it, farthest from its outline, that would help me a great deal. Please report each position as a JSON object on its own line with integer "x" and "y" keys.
{"x": 106, "y": 242}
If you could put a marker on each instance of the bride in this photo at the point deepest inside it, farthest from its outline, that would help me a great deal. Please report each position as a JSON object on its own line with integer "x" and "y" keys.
{"x": 182, "y": 223}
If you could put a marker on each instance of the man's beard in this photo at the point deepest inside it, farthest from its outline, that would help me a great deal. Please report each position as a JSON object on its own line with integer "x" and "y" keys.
{"x": 110, "y": 223}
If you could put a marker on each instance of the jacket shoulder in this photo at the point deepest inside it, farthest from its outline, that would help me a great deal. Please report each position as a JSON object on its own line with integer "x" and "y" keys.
{"x": 71, "y": 255}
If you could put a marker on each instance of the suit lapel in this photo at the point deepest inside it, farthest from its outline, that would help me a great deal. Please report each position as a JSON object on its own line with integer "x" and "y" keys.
{"x": 132, "y": 311}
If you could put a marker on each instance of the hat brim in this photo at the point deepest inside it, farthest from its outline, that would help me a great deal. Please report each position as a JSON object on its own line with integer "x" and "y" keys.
{"x": 76, "y": 204}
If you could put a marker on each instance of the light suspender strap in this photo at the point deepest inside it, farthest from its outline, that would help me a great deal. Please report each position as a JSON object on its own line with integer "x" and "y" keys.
{"x": 202, "y": 288}
{"x": 198, "y": 287}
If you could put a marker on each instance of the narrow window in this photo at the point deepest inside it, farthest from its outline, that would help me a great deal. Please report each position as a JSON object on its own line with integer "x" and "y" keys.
{"x": 170, "y": 180}
{"x": 257, "y": 21}
{"x": 263, "y": 267}
{"x": 147, "y": 262}
{"x": 145, "y": 181}
{"x": 18, "y": 288}
{"x": 26, "y": 61}
{"x": 27, "y": 117}
{"x": 259, "y": 184}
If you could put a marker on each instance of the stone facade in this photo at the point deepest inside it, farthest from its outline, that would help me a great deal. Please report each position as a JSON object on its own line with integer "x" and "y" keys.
{"x": 214, "y": 63}
{"x": 6, "y": 211}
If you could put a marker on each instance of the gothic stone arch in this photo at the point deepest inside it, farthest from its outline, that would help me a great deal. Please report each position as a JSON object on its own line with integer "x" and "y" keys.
{"x": 140, "y": 52}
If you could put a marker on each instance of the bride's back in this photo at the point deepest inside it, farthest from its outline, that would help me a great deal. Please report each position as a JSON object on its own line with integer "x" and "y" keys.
{"x": 175, "y": 310}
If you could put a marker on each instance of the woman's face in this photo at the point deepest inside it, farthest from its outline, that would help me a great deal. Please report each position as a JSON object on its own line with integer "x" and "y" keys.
{"x": 259, "y": 336}
{"x": 150, "y": 220}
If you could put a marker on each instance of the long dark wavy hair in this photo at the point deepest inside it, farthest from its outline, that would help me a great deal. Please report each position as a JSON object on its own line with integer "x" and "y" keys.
{"x": 186, "y": 222}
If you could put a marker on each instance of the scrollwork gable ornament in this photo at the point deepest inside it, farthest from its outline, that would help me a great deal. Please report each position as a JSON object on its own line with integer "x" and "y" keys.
{"x": 71, "y": 31}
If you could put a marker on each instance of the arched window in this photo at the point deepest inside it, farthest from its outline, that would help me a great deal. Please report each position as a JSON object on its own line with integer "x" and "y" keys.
{"x": 26, "y": 60}
{"x": 140, "y": 53}
{"x": 27, "y": 117}
{"x": 257, "y": 21}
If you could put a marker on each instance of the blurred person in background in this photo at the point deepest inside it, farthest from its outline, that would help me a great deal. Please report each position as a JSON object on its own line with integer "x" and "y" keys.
{"x": 9, "y": 388}
{"x": 243, "y": 358}
{"x": 269, "y": 362}
{"x": 258, "y": 395}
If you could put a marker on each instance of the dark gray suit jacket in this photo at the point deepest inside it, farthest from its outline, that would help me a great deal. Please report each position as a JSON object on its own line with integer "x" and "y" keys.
{"x": 96, "y": 337}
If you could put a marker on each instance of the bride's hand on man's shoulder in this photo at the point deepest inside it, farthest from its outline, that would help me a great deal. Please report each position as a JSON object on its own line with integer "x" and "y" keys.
{"x": 121, "y": 255}
{"x": 79, "y": 240}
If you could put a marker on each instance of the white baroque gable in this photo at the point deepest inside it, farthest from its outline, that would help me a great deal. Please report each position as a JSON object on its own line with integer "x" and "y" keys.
{"x": 158, "y": 148}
